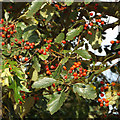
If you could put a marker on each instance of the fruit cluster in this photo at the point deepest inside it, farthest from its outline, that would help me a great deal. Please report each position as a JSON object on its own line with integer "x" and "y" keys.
{"x": 115, "y": 42}
{"x": 103, "y": 101}
{"x": 94, "y": 22}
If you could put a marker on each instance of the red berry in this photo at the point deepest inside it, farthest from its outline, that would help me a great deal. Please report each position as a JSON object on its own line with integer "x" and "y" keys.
{"x": 59, "y": 89}
{"x": 3, "y": 36}
{"x": 106, "y": 101}
{"x": 2, "y": 20}
{"x": 12, "y": 43}
{"x": 25, "y": 47}
{"x": 72, "y": 68}
{"x": 113, "y": 84}
{"x": 118, "y": 93}
{"x": 28, "y": 47}
{"x": 53, "y": 85}
{"x": 99, "y": 20}
{"x": 23, "y": 97}
{"x": 16, "y": 39}
{"x": 65, "y": 76}
{"x": 23, "y": 40}
{"x": 70, "y": 71}
{"x": 99, "y": 100}
{"x": 101, "y": 94}
{"x": 49, "y": 45}
{"x": 49, "y": 87}
{"x": 8, "y": 36}
{"x": 11, "y": 7}
{"x": 118, "y": 52}
{"x": 102, "y": 23}
{"x": 80, "y": 69}
{"x": 101, "y": 104}
{"x": 86, "y": 25}
{"x": 33, "y": 43}
{"x": 52, "y": 67}
{"x": 27, "y": 43}
{"x": 107, "y": 104}
{"x": 26, "y": 58}
{"x": 112, "y": 42}
{"x": 11, "y": 32}
{"x": 91, "y": 14}
{"x": 32, "y": 46}
{"x": 85, "y": 28}
{"x": 19, "y": 42}
{"x": 102, "y": 89}
{"x": 63, "y": 41}
{"x": 3, "y": 43}
{"x": 44, "y": 53}
{"x": 101, "y": 82}
{"x": 84, "y": 74}
{"x": 91, "y": 24}
{"x": 117, "y": 41}
{"x": 74, "y": 74}
{"x": 20, "y": 102}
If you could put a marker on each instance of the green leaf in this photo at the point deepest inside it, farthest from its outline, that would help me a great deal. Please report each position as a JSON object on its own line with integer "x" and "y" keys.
{"x": 86, "y": 91}
{"x": 43, "y": 83}
{"x": 64, "y": 60}
{"x": 33, "y": 37}
{"x": 21, "y": 25}
{"x": 43, "y": 57}
{"x": 34, "y": 75}
{"x": 17, "y": 95}
{"x": 59, "y": 38}
{"x": 36, "y": 64}
{"x": 69, "y": 2}
{"x": 36, "y": 4}
{"x": 116, "y": 47}
{"x": 47, "y": 12}
{"x": 74, "y": 32}
{"x": 56, "y": 102}
{"x": 23, "y": 88}
{"x": 29, "y": 102}
{"x": 83, "y": 53}
{"x": 57, "y": 72}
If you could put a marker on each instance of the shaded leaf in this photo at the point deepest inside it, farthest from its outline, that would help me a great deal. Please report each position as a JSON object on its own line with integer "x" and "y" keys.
{"x": 56, "y": 102}
{"x": 64, "y": 60}
{"x": 59, "y": 38}
{"x": 43, "y": 83}
{"x": 86, "y": 91}
{"x": 36, "y": 64}
{"x": 74, "y": 32}
{"x": 83, "y": 53}
{"x": 34, "y": 75}
{"x": 29, "y": 102}
{"x": 36, "y": 4}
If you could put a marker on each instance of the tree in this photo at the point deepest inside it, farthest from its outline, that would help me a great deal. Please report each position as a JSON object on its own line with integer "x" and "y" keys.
{"x": 46, "y": 73}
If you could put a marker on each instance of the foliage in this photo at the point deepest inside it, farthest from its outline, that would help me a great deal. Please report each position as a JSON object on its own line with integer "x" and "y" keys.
{"x": 46, "y": 73}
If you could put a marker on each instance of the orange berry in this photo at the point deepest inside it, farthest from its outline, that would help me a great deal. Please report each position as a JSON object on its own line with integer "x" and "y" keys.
{"x": 113, "y": 84}
{"x": 112, "y": 42}
{"x": 74, "y": 74}
{"x": 107, "y": 104}
{"x": 64, "y": 68}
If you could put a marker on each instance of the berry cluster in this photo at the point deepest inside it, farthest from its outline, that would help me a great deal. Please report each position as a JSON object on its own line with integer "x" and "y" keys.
{"x": 115, "y": 42}
{"x": 93, "y": 22}
{"x": 76, "y": 70}
{"x": 7, "y": 31}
